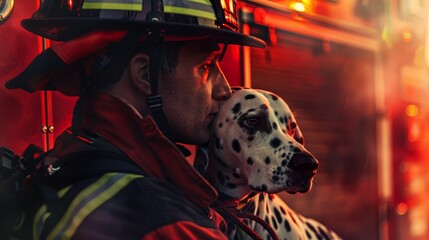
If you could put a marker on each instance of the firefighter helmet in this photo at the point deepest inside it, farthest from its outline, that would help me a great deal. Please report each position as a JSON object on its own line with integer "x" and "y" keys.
{"x": 63, "y": 20}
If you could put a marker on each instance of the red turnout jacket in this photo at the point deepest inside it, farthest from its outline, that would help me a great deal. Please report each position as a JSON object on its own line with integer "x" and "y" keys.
{"x": 170, "y": 201}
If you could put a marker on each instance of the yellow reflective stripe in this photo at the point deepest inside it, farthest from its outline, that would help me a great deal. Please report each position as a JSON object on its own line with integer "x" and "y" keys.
{"x": 88, "y": 200}
{"x": 205, "y": 2}
{"x": 42, "y": 215}
{"x": 112, "y": 6}
{"x": 191, "y": 12}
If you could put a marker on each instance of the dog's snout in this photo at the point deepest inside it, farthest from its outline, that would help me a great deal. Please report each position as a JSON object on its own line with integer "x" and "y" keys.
{"x": 303, "y": 162}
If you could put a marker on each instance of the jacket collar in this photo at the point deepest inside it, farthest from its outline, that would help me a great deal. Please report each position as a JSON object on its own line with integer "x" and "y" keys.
{"x": 140, "y": 138}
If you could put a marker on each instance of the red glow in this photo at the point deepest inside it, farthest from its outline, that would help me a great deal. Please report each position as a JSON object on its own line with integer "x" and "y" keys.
{"x": 259, "y": 15}
{"x": 70, "y": 4}
{"x": 413, "y": 131}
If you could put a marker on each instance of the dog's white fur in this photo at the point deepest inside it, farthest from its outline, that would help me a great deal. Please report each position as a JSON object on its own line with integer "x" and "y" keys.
{"x": 258, "y": 147}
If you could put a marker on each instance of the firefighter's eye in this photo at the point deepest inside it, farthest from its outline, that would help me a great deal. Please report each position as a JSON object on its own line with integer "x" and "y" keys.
{"x": 206, "y": 67}
{"x": 251, "y": 122}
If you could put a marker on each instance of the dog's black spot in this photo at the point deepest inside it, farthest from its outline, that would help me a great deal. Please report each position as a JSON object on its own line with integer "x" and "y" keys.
{"x": 283, "y": 155}
{"x": 282, "y": 210}
{"x": 308, "y": 234}
{"x": 325, "y": 234}
{"x": 275, "y": 142}
{"x": 259, "y": 170}
{"x": 267, "y": 221}
{"x": 236, "y": 146}
{"x": 249, "y": 96}
{"x": 275, "y": 178}
{"x": 274, "y": 223}
{"x": 274, "y": 125}
{"x": 263, "y": 106}
{"x": 309, "y": 225}
{"x": 267, "y": 160}
{"x": 275, "y": 98}
{"x": 284, "y": 119}
{"x": 284, "y": 162}
{"x": 220, "y": 125}
{"x": 278, "y": 215}
{"x": 281, "y": 120}
{"x": 287, "y": 226}
{"x": 249, "y": 161}
{"x": 294, "y": 149}
{"x": 227, "y": 120}
{"x": 236, "y": 175}
{"x": 293, "y": 125}
{"x": 250, "y": 208}
{"x": 220, "y": 177}
{"x": 231, "y": 185}
{"x": 293, "y": 218}
{"x": 236, "y": 108}
{"x": 276, "y": 113}
{"x": 250, "y": 138}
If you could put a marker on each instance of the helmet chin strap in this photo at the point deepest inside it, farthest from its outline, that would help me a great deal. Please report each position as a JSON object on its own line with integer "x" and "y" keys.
{"x": 154, "y": 101}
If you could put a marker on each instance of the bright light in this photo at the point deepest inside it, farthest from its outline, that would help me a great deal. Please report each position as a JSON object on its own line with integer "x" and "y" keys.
{"x": 411, "y": 110}
{"x": 298, "y": 6}
{"x": 402, "y": 208}
{"x": 407, "y": 35}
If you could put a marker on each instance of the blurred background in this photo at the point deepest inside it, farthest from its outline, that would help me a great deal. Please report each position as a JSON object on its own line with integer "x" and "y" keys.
{"x": 355, "y": 72}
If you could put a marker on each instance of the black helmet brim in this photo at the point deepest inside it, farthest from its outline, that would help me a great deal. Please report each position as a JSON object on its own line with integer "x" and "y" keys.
{"x": 65, "y": 29}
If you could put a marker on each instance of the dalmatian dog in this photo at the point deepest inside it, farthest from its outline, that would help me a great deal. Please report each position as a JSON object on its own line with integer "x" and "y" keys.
{"x": 257, "y": 151}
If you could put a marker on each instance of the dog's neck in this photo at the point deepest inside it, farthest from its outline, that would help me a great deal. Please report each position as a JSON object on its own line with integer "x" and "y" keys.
{"x": 228, "y": 180}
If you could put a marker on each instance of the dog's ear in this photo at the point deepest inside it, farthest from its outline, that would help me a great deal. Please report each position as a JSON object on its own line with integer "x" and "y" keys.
{"x": 298, "y": 135}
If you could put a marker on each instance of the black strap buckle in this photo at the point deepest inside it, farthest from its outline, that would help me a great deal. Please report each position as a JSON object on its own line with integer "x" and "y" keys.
{"x": 154, "y": 103}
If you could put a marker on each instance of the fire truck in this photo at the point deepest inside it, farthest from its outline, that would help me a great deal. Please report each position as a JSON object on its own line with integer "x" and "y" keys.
{"x": 355, "y": 72}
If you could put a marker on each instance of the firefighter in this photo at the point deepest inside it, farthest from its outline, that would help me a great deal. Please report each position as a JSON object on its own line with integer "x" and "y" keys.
{"x": 147, "y": 76}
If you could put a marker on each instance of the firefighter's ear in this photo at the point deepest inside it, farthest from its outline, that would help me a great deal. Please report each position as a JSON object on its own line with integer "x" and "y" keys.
{"x": 139, "y": 73}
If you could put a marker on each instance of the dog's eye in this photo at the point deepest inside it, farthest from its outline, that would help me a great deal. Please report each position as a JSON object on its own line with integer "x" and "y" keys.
{"x": 251, "y": 122}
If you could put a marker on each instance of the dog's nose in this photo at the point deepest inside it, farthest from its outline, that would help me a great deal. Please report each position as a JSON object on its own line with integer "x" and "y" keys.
{"x": 303, "y": 162}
